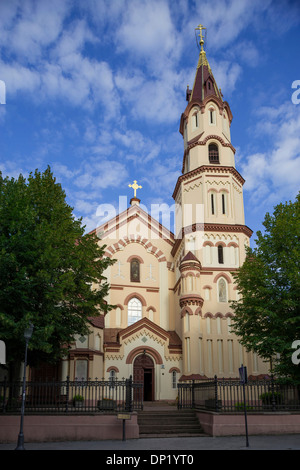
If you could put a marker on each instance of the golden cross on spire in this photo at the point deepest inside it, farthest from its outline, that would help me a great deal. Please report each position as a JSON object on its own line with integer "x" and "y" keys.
{"x": 200, "y": 28}
{"x": 135, "y": 186}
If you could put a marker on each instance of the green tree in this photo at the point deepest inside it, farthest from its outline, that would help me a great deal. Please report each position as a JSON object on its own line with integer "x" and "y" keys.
{"x": 267, "y": 318}
{"x": 48, "y": 268}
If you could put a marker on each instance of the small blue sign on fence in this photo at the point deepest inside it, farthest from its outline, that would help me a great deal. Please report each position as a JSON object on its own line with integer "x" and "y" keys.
{"x": 243, "y": 374}
{"x": 2, "y": 352}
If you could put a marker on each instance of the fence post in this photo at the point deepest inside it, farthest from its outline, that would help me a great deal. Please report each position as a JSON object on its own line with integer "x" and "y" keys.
{"x": 216, "y": 394}
{"x": 193, "y": 393}
{"x": 4, "y": 395}
{"x": 180, "y": 392}
{"x": 128, "y": 402}
{"x": 67, "y": 393}
{"x": 273, "y": 402}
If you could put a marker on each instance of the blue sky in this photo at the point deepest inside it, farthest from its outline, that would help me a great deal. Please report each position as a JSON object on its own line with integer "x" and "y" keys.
{"x": 96, "y": 88}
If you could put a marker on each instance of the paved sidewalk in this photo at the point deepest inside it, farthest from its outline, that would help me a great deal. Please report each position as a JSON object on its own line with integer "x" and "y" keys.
{"x": 282, "y": 442}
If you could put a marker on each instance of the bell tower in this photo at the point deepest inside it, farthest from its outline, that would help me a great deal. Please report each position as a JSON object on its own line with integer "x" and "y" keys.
{"x": 210, "y": 224}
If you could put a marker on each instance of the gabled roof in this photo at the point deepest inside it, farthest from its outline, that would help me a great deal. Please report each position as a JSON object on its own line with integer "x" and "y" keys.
{"x": 125, "y": 217}
{"x": 115, "y": 336}
{"x": 144, "y": 323}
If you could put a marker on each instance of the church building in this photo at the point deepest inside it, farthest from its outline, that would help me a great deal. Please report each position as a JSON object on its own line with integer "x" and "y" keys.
{"x": 171, "y": 291}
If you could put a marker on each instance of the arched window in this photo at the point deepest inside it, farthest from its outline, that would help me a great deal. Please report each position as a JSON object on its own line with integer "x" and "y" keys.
{"x": 222, "y": 290}
{"x": 212, "y": 116}
{"x": 134, "y": 311}
{"x": 174, "y": 379}
{"x": 220, "y": 254}
{"x": 112, "y": 378}
{"x": 97, "y": 343}
{"x": 224, "y": 199}
{"x": 134, "y": 270}
{"x": 213, "y": 205}
{"x": 195, "y": 119}
{"x": 213, "y": 153}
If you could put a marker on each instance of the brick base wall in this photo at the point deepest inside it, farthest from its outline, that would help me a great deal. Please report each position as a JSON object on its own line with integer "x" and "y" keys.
{"x": 67, "y": 428}
{"x": 218, "y": 424}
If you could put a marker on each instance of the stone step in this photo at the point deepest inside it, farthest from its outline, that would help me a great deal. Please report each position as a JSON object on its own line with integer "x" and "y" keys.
{"x": 160, "y": 417}
{"x": 168, "y": 422}
{"x": 153, "y": 429}
{"x": 162, "y": 435}
{"x": 161, "y": 422}
{"x": 167, "y": 412}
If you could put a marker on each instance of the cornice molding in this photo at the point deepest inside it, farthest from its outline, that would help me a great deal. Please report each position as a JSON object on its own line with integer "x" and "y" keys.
{"x": 208, "y": 169}
{"x": 191, "y": 299}
{"x": 236, "y": 228}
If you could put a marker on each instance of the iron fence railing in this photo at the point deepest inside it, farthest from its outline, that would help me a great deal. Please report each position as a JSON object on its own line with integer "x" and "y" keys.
{"x": 75, "y": 396}
{"x": 226, "y": 395}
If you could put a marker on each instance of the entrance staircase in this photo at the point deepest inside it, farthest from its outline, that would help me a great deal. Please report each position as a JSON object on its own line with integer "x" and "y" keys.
{"x": 159, "y": 419}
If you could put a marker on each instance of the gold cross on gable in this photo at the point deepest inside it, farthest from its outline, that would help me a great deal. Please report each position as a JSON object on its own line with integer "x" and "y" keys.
{"x": 135, "y": 186}
{"x": 200, "y": 28}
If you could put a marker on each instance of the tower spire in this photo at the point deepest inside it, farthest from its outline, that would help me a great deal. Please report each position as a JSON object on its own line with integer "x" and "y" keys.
{"x": 201, "y": 88}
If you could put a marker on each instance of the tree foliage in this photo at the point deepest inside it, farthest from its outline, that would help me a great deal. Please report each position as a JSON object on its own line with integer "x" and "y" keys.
{"x": 267, "y": 318}
{"x": 48, "y": 269}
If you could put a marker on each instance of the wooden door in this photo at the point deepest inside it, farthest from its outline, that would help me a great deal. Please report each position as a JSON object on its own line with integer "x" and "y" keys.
{"x": 143, "y": 372}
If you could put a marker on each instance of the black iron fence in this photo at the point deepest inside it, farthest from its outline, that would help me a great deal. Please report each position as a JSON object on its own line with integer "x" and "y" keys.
{"x": 90, "y": 396}
{"x": 227, "y": 395}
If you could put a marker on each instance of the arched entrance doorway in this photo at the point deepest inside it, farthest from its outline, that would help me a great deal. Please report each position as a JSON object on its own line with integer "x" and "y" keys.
{"x": 143, "y": 372}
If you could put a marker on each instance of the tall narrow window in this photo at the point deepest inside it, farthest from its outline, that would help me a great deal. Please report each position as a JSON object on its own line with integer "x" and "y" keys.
{"x": 220, "y": 255}
{"x": 223, "y": 204}
{"x": 212, "y": 116}
{"x": 195, "y": 120}
{"x": 135, "y": 270}
{"x": 222, "y": 290}
{"x": 112, "y": 378}
{"x": 134, "y": 311}
{"x": 212, "y": 198}
{"x": 174, "y": 379}
{"x": 213, "y": 153}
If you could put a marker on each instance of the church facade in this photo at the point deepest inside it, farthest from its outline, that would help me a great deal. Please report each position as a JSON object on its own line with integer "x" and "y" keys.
{"x": 171, "y": 292}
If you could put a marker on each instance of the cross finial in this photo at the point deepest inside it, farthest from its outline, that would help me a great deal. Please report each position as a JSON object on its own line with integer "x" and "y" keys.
{"x": 135, "y": 186}
{"x": 200, "y": 28}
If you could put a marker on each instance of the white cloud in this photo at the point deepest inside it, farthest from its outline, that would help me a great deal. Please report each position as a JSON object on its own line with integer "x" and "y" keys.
{"x": 74, "y": 39}
{"x": 44, "y": 56}
{"x": 274, "y": 173}
{"x": 226, "y": 75}
{"x": 27, "y": 27}
{"x": 226, "y": 20}
{"x": 147, "y": 32}
{"x": 101, "y": 174}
